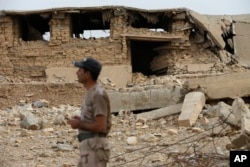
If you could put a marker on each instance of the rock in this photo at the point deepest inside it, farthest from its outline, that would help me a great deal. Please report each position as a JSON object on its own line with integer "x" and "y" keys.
{"x": 60, "y": 120}
{"x": 45, "y": 124}
{"x": 204, "y": 121}
{"x": 148, "y": 138}
{"x": 225, "y": 56}
{"x": 212, "y": 111}
{"x": 48, "y": 130}
{"x": 22, "y": 110}
{"x": 198, "y": 130}
{"x": 64, "y": 147}
{"x": 29, "y": 121}
{"x": 172, "y": 131}
{"x": 241, "y": 140}
{"x": 226, "y": 114}
{"x": 45, "y": 154}
{"x": 239, "y": 110}
{"x": 22, "y": 102}
{"x": 158, "y": 81}
{"x": 243, "y": 112}
{"x": 24, "y": 133}
{"x": 132, "y": 140}
{"x": 217, "y": 128}
{"x": 40, "y": 104}
{"x": 67, "y": 164}
{"x": 76, "y": 112}
{"x": 219, "y": 150}
{"x": 2, "y": 78}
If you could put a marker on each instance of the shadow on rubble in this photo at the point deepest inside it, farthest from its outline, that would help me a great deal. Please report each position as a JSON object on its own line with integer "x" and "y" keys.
{"x": 192, "y": 153}
{"x": 207, "y": 144}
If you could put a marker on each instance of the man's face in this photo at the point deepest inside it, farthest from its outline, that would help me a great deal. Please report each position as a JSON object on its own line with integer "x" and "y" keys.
{"x": 82, "y": 75}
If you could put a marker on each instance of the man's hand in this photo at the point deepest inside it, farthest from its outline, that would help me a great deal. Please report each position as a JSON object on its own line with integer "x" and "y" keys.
{"x": 74, "y": 122}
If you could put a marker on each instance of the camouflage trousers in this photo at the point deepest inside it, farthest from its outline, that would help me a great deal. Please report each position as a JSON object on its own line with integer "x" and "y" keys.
{"x": 94, "y": 152}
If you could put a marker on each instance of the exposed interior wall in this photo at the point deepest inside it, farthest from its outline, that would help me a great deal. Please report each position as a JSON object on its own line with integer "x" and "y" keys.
{"x": 176, "y": 49}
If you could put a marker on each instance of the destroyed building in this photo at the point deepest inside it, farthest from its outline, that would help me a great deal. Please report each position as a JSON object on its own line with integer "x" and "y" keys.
{"x": 165, "y": 62}
{"x": 40, "y": 45}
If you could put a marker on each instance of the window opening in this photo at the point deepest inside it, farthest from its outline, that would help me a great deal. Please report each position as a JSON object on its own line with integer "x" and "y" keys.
{"x": 154, "y": 22}
{"x": 89, "y": 25}
{"x": 34, "y": 27}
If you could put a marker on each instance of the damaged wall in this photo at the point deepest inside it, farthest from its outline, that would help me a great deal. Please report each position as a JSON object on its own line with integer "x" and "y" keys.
{"x": 184, "y": 44}
{"x": 30, "y": 59}
{"x": 242, "y": 37}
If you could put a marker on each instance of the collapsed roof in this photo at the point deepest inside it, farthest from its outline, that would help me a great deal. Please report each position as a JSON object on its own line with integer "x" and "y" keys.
{"x": 217, "y": 30}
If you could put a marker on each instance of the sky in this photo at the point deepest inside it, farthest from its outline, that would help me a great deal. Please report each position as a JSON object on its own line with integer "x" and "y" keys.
{"x": 213, "y": 7}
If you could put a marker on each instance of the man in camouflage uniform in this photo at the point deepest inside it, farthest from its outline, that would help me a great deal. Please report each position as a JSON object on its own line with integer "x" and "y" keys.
{"x": 95, "y": 121}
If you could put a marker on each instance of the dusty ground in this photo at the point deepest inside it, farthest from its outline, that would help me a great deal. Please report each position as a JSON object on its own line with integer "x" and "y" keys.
{"x": 157, "y": 143}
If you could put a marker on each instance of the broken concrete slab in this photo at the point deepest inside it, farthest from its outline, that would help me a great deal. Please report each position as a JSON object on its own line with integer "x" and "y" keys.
{"x": 191, "y": 108}
{"x": 160, "y": 113}
{"x": 242, "y": 40}
{"x": 213, "y": 27}
{"x": 144, "y": 99}
{"x": 222, "y": 86}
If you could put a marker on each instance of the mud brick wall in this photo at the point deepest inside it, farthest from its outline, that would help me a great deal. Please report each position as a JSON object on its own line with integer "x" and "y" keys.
{"x": 6, "y": 41}
{"x": 117, "y": 26}
{"x": 29, "y": 59}
{"x": 59, "y": 29}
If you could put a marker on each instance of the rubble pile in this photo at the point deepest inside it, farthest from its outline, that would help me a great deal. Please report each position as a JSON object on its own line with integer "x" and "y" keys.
{"x": 36, "y": 134}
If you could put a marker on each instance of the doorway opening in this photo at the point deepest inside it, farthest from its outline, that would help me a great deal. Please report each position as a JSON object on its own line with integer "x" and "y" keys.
{"x": 142, "y": 53}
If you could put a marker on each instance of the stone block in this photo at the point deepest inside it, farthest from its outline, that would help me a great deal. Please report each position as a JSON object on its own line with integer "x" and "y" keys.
{"x": 160, "y": 113}
{"x": 191, "y": 108}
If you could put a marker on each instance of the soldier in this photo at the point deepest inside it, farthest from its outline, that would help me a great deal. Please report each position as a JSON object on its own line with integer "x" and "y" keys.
{"x": 95, "y": 121}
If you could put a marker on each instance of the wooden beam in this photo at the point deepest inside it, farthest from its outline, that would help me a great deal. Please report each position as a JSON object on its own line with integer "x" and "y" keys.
{"x": 151, "y": 37}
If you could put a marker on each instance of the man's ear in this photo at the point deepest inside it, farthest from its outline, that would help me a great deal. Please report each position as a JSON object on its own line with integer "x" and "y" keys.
{"x": 88, "y": 73}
